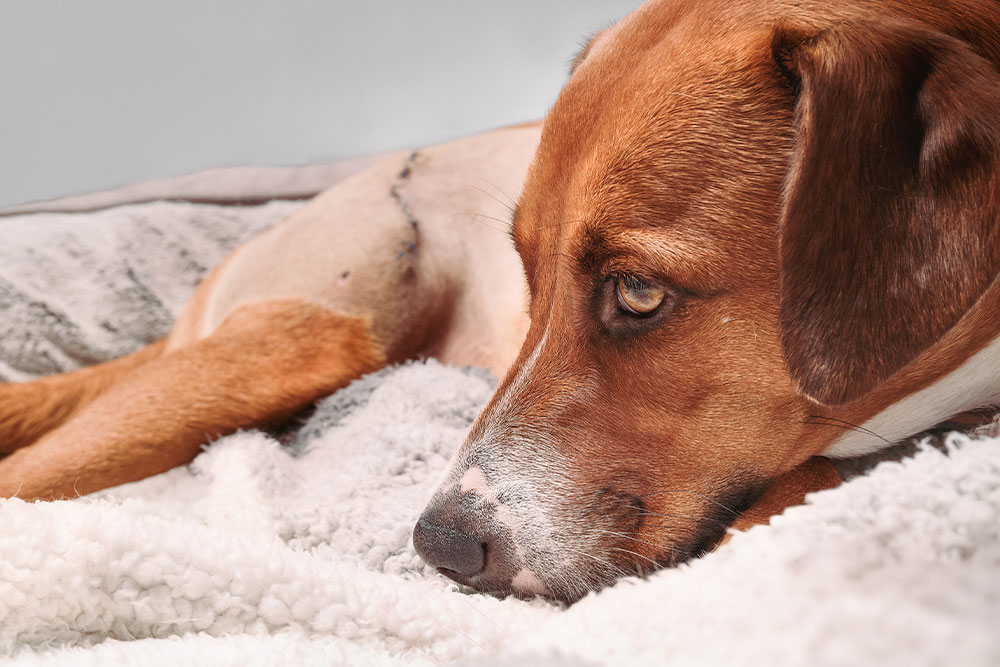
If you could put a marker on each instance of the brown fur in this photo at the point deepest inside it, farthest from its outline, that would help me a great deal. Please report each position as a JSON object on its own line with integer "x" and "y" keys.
{"x": 891, "y": 202}
{"x": 814, "y": 184}
{"x": 667, "y": 157}
{"x": 789, "y": 490}
{"x": 32, "y": 409}
{"x": 265, "y": 361}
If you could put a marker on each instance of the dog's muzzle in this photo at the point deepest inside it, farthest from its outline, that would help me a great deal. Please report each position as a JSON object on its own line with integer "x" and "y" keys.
{"x": 461, "y": 538}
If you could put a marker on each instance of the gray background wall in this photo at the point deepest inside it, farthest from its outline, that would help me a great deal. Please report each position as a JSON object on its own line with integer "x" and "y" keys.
{"x": 99, "y": 93}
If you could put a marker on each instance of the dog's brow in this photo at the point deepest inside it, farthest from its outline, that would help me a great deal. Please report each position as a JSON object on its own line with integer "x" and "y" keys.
{"x": 681, "y": 256}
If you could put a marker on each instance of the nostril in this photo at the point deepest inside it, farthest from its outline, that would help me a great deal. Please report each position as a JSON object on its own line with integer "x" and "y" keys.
{"x": 468, "y": 565}
{"x": 452, "y": 552}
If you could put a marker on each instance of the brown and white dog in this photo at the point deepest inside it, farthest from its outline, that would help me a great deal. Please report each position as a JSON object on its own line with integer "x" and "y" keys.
{"x": 746, "y": 225}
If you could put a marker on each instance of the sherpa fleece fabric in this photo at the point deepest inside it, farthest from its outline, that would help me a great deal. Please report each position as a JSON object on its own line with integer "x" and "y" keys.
{"x": 260, "y": 553}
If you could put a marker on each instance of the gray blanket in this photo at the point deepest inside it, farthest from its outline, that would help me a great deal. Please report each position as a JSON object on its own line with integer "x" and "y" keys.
{"x": 76, "y": 289}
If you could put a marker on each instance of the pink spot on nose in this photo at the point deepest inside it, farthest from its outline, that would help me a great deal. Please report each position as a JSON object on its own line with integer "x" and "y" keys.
{"x": 527, "y": 581}
{"x": 474, "y": 480}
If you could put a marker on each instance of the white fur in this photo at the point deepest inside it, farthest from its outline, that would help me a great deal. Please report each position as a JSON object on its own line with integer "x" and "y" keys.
{"x": 974, "y": 384}
{"x": 898, "y": 568}
{"x": 523, "y": 375}
{"x": 529, "y": 523}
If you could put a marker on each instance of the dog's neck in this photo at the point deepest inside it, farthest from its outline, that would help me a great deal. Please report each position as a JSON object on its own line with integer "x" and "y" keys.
{"x": 974, "y": 384}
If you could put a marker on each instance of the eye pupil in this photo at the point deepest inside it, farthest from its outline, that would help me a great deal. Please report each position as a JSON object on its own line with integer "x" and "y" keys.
{"x": 638, "y": 297}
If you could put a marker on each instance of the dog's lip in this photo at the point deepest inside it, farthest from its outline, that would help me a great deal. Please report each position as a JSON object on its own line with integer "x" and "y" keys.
{"x": 478, "y": 584}
{"x": 474, "y": 582}
{"x": 503, "y": 589}
{"x": 455, "y": 576}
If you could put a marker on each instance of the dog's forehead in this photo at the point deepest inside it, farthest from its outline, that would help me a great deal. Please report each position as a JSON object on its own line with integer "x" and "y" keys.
{"x": 651, "y": 126}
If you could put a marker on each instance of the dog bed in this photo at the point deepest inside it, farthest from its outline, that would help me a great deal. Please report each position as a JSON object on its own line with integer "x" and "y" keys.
{"x": 298, "y": 552}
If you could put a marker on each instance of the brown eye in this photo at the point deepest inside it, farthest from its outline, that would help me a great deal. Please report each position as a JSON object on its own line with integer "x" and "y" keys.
{"x": 637, "y": 296}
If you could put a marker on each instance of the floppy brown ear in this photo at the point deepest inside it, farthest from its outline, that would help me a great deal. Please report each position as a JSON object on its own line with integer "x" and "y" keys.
{"x": 890, "y": 227}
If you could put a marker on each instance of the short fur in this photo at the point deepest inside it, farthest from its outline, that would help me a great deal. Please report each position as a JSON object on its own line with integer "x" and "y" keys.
{"x": 891, "y": 202}
{"x": 813, "y": 185}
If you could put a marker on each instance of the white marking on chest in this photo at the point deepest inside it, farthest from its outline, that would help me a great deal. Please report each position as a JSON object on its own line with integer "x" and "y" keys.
{"x": 974, "y": 384}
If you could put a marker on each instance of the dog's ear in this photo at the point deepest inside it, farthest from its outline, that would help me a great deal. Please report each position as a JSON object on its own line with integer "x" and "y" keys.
{"x": 890, "y": 219}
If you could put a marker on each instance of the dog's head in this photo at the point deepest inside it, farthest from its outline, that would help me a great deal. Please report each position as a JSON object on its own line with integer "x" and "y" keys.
{"x": 739, "y": 217}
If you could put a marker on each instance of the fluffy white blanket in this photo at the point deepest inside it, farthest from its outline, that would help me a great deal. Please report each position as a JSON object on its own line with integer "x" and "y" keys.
{"x": 260, "y": 553}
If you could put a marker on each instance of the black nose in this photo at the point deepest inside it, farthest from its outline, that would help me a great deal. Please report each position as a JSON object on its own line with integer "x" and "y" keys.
{"x": 453, "y": 552}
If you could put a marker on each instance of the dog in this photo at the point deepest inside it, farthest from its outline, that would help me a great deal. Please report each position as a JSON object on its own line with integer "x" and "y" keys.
{"x": 747, "y": 236}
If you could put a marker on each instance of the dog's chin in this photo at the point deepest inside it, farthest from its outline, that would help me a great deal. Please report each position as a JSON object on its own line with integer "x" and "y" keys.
{"x": 593, "y": 578}
{"x": 504, "y": 589}
{"x": 565, "y": 594}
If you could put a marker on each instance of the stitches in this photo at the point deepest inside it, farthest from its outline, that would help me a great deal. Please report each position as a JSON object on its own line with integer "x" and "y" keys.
{"x": 397, "y": 196}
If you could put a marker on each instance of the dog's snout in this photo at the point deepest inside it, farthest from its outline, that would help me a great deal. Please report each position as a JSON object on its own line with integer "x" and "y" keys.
{"x": 466, "y": 539}
{"x": 453, "y": 552}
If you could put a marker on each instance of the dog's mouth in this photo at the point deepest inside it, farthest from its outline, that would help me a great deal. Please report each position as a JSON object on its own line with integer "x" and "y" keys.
{"x": 580, "y": 570}
{"x": 511, "y": 541}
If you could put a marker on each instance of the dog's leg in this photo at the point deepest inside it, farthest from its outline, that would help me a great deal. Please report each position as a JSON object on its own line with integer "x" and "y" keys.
{"x": 29, "y": 410}
{"x": 790, "y": 489}
{"x": 266, "y": 360}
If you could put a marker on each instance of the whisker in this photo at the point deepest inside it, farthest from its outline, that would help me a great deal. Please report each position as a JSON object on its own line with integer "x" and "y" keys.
{"x": 496, "y": 187}
{"x": 475, "y": 216}
{"x": 451, "y": 626}
{"x": 576, "y": 582}
{"x": 506, "y": 205}
{"x": 637, "y": 555}
{"x": 846, "y": 425}
{"x": 636, "y": 539}
{"x": 478, "y": 611}
{"x": 667, "y": 515}
{"x": 506, "y": 223}
{"x": 602, "y": 561}
{"x": 697, "y": 495}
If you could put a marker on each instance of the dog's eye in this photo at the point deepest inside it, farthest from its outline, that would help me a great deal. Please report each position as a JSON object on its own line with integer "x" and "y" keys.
{"x": 637, "y": 296}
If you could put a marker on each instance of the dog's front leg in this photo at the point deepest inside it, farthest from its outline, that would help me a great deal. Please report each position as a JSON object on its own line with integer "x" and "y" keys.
{"x": 790, "y": 489}
{"x": 265, "y": 361}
